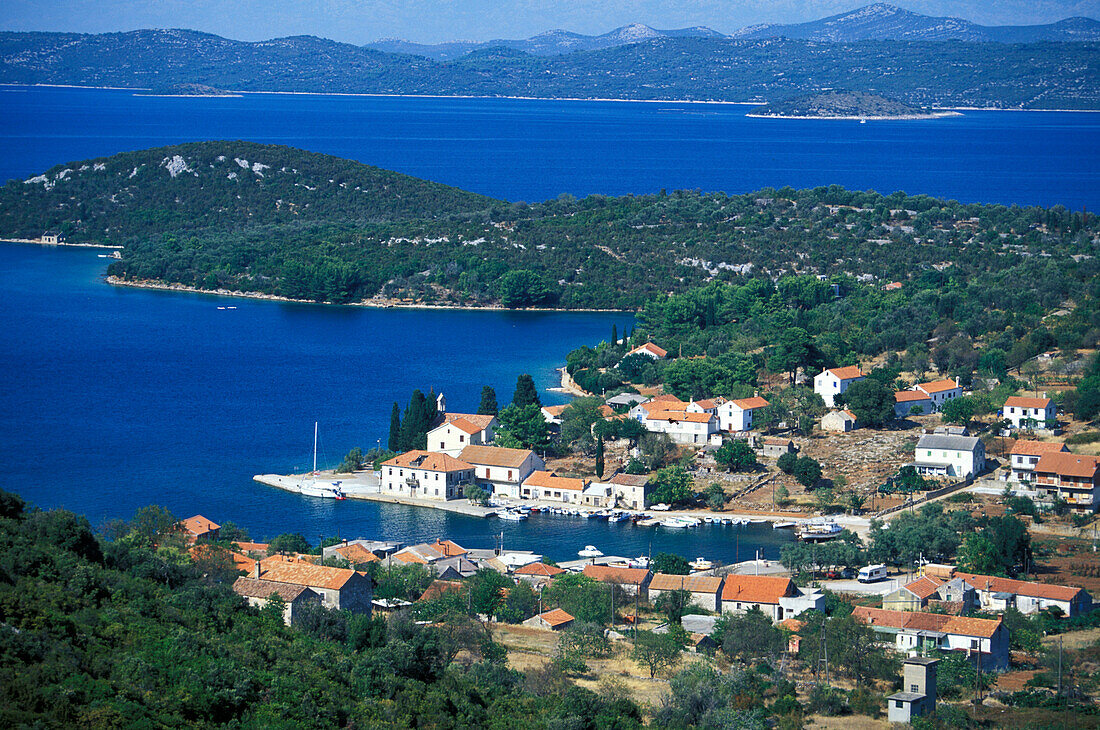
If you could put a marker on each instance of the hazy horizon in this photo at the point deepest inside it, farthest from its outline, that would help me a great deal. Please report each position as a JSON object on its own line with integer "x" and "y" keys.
{"x": 436, "y": 21}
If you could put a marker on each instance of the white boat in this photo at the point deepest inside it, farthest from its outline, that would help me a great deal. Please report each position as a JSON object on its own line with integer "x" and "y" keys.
{"x": 701, "y": 564}
{"x": 662, "y": 507}
{"x": 676, "y": 524}
{"x": 639, "y": 562}
{"x": 755, "y": 521}
{"x": 590, "y": 551}
{"x": 314, "y": 488}
{"x": 818, "y": 531}
{"x": 589, "y": 515}
{"x": 618, "y": 517}
{"x": 512, "y": 516}
{"x": 783, "y": 525}
{"x": 650, "y": 522}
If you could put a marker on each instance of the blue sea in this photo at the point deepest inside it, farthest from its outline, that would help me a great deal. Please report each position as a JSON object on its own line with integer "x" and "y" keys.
{"x": 112, "y": 399}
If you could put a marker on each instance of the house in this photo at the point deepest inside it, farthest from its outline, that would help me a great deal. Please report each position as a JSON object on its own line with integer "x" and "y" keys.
{"x": 537, "y": 572}
{"x": 1025, "y": 455}
{"x": 258, "y": 593}
{"x": 665, "y": 402}
{"x": 439, "y": 588}
{"x": 426, "y": 475}
{"x": 1029, "y": 413}
{"x": 340, "y": 588}
{"x": 778, "y": 598}
{"x": 793, "y": 628}
{"x": 775, "y": 447}
{"x": 951, "y": 456}
{"x": 906, "y": 400}
{"x": 917, "y": 697}
{"x": 736, "y": 415}
{"x": 199, "y": 528}
{"x": 953, "y": 595}
{"x": 455, "y": 568}
{"x": 552, "y": 414}
{"x": 839, "y": 421}
{"x": 429, "y": 553}
{"x": 682, "y": 427}
{"x": 940, "y": 391}
{"x": 52, "y": 238}
{"x": 649, "y": 350}
{"x": 834, "y": 381}
{"x": 598, "y": 495}
{"x": 546, "y": 486}
{"x": 914, "y": 632}
{"x": 556, "y": 620}
{"x": 707, "y": 405}
{"x": 634, "y": 581}
{"x": 998, "y": 594}
{"x": 356, "y": 555}
{"x": 459, "y": 430}
{"x": 502, "y": 470}
{"x": 626, "y": 400}
{"x": 705, "y": 590}
{"x": 629, "y": 490}
{"x": 1072, "y": 477}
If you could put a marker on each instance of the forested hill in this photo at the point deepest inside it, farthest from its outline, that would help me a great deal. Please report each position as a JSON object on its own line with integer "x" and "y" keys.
{"x": 216, "y": 186}
{"x": 838, "y": 104}
{"x": 1041, "y": 75}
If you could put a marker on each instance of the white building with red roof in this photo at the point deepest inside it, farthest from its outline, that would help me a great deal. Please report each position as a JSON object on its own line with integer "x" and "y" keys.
{"x": 906, "y": 400}
{"x": 649, "y": 350}
{"x": 998, "y": 594}
{"x": 834, "y": 381}
{"x": 681, "y": 426}
{"x": 501, "y": 469}
{"x": 1029, "y": 412}
{"x": 548, "y": 486}
{"x": 1025, "y": 455}
{"x": 736, "y": 415}
{"x": 914, "y": 633}
{"x": 459, "y": 430}
{"x": 940, "y": 391}
{"x": 426, "y": 475}
{"x": 1074, "y": 478}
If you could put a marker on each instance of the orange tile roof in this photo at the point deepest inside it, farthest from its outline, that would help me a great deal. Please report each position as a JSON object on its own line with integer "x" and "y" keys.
{"x": 607, "y": 411}
{"x": 495, "y": 456}
{"x": 482, "y": 422}
{"x": 259, "y": 588}
{"x": 848, "y": 372}
{"x": 757, "y": 588}
{"x": 429, "y": 461}
{"x": 1020, "y": 402}
{"x": 666, "y": 398}
{"x": 407, "y": 556}
{"x": 547, "y": 480}
{"x": 649, "y": 346}
{"x": 1020, "y": 587}
{"x": 792, "y": 624}
{"x": 924, "y": 587}
{"x": 621, "y": 576}
{"x": 630, "y": 480}
{"x": 252, "y": 547}
{"x": 449, "y": 548}
{"x": 199, "y": 525}
{"x": 356, "y": 553}
{"x": 557, "y": 617}
{"x": 240, "y": 561}
{"x": 907, "y": 396}
{"x": 439, "y": 588}
{"x": 463, "y": 425}
{"x": 919, "y": 621}
{"x": 1068, "y": 465}
{"x": 555, "y": 410}
{"x": 540, "y": 569}
{"x": 938, "y": 386}
{"x": 304, "y": 574}
{"x": 690, "y": 583}
{"x": 747, "y": 404}
{"x": 671, "y": 416}
{"x": 1037, "y": 448}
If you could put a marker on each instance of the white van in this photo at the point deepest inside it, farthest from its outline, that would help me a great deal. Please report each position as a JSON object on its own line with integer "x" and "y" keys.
{"x": 871, "y": 573}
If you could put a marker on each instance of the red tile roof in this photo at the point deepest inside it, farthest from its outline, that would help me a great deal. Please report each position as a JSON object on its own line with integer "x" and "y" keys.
{"x": 449, "y": 548}
{"x": 355, "y": 554}
{"x": 621, "y": 576}
{"x": 650, "y": 347}
{"x": 280, "y": 570}
{"x": 924, "y": 587}
{"x": 1037, "y": 448}
{"x": 1068, "y": 465}
{"x": 495, "y": 456}
{"x": 259, "y": 588}
{"x": 482, "y": 422}
{"x": 848, "y": 372}
{"x": 671, "y": 416}
{"x": 555, "y": 410}
{"x": 747, "y": 404}
{"x": 690, "y": 583}
{"x": 463, "y": 425}
{"x": 547, "y": 480}
{"x": 539, "y": 569}
{"x": 557, "y": 617}
{"x": 1020, "y": 587}
{"x": 1020, "y": 402}
{"x": 199, "y": 525}
{"x": 429, "y": 461}
{"x": 919, "y": 621}
{"x": 440, "y": 588}
{"x": 907, "y": 396}
{"x": 938, "y": 386}
{"x": 757, "y": 588}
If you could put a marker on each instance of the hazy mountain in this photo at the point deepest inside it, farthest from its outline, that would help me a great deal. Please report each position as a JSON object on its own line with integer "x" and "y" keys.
{"x": 887, "y": 22}
{"x": 550, "y": 43}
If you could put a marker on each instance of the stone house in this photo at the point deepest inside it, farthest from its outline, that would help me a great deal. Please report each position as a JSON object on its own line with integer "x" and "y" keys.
{"x": 502, "y": 470}
{"x": 705, "y": 590}
{"x": 340, "y": 588}
{"x": 634, "y": 581}
{"x": 839, "y": 421}
{"x": 258, "y": 593}
{"x": 555, "y": 620}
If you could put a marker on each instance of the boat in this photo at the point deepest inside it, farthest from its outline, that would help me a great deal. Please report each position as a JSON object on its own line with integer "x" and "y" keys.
{"x": 662, "y": 507}
{"x": 324, "y": 490}
{"x": 511, "y": 516}
{"x": 862, "y": 121}
{"x": 588, "y": 515}
{"x": 783, "y": 525}
{"x": 601, "y": 515}
{"x": 618, "y": 517}
{"x": 701, "y": 564}
{"x": 818, "y": 531}
{"x": 755, "y": 521}
{"x": 675, "y": 524}
{"x": 590, "y": 551}
{"x": 639, "y": 562}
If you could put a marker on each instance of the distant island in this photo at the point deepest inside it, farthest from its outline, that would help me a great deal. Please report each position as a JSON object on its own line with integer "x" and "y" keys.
{"x": 844, "y": 105}
{"x": 198, "y": 90}
{"x": 277, "y": 222}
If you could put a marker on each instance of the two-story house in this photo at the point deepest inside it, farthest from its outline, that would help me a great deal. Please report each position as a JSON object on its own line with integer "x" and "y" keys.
{"x": 681, "y": 426}
{"x": 951, "y": 456}
{"x": 1025, "y": 455}
{"x": 777, "y": 597}
{"x": 459, "y": 430}
{"x": 1074, "y": 478}
{"x": 834, "y": 381}
{"x": 736, "y": 415}
{"x": 908, "y": 402}
{"x": 940, "y": 391}
{"x": 426, "y": 475}
{"x": 914, "y": 632}
{"x": 998, "y": 594}
{"x": 340, "y": 588}
{"x": 502, "y": 470}
{"x": 1032, "y": 413}
{"x": 547, "y": 486}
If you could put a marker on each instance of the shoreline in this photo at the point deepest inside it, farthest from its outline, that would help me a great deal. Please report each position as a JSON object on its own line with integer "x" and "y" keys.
{"x": 369, "y": 304}
{"x": 899, "y": 117}
{"x": 40, "y": 242}
{"x": 239, "y": 93}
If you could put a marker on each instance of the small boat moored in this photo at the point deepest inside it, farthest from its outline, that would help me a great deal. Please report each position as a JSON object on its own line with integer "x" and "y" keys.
{"x": 590, "y": 551}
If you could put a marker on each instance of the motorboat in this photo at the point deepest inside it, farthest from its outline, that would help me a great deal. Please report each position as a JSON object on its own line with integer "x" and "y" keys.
{"x": 818, "y": 531}
{"x": 639, "y": 562}
{"x": 661, "y": 507}
{"x": 676, "y": 524}
{"x": 701, "y": 564}
{"x": 648, "y": 522}
{"x": 512, "y": 516}
{"x": 590, "y": 551}
{"x": 784, "y": 525}
{"x": 618, "y": 517}
{"x": 601, "y": 515}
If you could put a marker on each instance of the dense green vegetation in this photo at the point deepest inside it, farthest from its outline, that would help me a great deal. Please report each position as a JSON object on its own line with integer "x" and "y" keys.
{"x": 1032, "y": 75}
{"x": 838, "y": 104}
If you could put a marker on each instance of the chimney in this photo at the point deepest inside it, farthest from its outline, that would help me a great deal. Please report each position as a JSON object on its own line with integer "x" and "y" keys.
{"x": 258, "y": 571}
{"x": 956, "y": 381}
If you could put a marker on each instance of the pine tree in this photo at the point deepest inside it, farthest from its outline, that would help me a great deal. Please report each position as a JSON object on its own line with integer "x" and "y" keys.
{"x": 394, "y": 442}
{"x": 488, "y": 405}
{"x": 526, "y": 394}
{"x": 599, "y": 458}
{"x": 414, "y": 427}
{"x": 431, "y": 407}
{"x": 614, "y": 334}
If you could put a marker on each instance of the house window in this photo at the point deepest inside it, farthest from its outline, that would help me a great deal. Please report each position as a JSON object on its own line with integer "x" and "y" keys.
{"x": 442, "y": 445}
{"x": 897, "y": 704}
{"x": 461, "y": 438}
{"x": 974, "y": 644}
{"x": 913, "y": 689}
{"x": 509, "y": 474}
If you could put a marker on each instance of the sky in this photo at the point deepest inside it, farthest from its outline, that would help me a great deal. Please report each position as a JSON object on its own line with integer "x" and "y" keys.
{"x": 433, "y": 21}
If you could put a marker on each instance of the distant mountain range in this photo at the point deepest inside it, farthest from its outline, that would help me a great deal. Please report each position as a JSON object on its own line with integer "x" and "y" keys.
{"x": 872, "y": 22}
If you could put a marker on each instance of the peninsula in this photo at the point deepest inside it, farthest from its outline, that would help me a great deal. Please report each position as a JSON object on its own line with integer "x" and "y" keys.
{"x": 835, "y": 104}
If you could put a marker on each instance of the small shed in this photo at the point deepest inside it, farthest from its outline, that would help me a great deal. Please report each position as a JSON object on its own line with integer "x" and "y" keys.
{"x": 53, "y": 237}
{"x": 776, "y": 447}
{"x": 555, "y": 620}
{"x": 839, "y": 421}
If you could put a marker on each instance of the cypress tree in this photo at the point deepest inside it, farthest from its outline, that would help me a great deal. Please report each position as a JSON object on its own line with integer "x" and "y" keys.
{"x": 394, "y": 442}
{"x": 431, "y": 407}
{"x": 414, "y": 428}
{"x": 488, "y": 405}
{"x": 599, "y": 458}
{"x": 614, "y": 334}
{"x": 526, "y": 394}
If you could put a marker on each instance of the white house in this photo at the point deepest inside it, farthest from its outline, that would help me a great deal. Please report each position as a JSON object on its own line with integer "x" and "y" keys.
{"x": 503, "y": 470}
{"x": 1074, "y": 478}
{"x": 426, "y": 475}
{"x": 649, "y": 350}
{"x": 705, "y": 590}
{"x": 940, "y": 391}
{"x": 998, "y": 594}
{"x": 915, "y": 632}
{"x": 546, "y": 486}
{"x": 1025, "y": 455}
{"x": 1029, "y": 412}
{"x": 839, "y": 421}
{"x": 459, "y": 430}
{"x": 630, "y": 490}
{"x": 708, "y": 405}
{"x": 779, "y": 598}
{"x": 682, "y": 427}
{"x": 906, "y": 400}
{"x": 951, "y": 456}
{"x": 641, "y": 411}
{"x": 736, "y": 415}
{"x": 834, "y": 381}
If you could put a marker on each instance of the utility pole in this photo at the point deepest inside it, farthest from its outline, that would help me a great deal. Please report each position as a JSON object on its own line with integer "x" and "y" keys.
{"x": 1059, "y": 666}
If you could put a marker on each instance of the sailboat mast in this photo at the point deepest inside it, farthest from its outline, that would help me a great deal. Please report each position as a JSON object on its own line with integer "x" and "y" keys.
{"x": 315, "y": 447}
